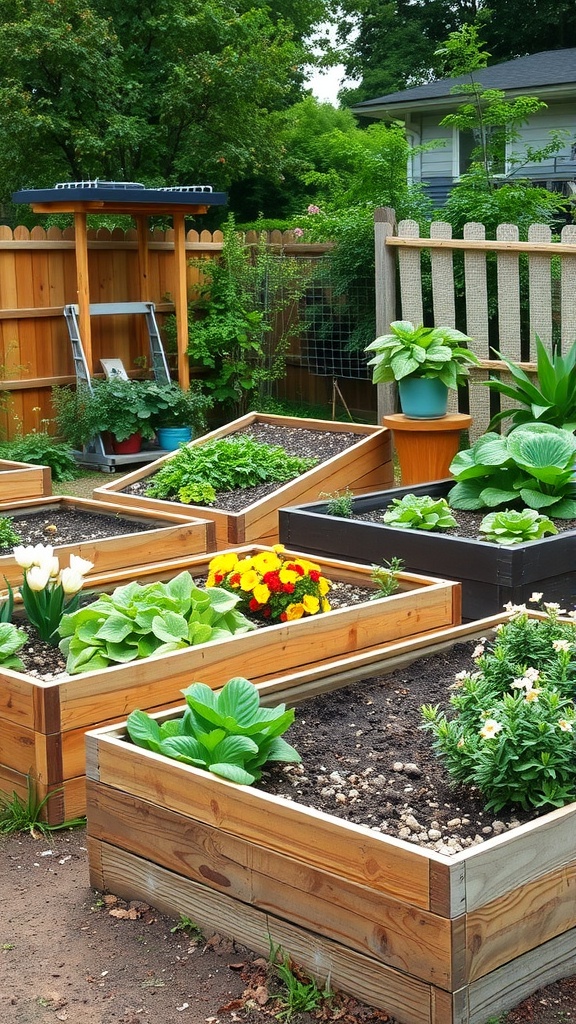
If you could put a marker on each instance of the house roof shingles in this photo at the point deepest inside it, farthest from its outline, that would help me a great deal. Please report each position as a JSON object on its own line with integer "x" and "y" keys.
{"x": 548, "y": 69}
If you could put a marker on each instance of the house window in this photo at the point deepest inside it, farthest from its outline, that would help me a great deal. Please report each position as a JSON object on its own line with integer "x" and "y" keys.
{"x": 469, "y": 141}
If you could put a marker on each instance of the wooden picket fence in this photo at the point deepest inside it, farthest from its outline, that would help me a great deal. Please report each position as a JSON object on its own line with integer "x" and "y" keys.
{"x": 501, "y": 292}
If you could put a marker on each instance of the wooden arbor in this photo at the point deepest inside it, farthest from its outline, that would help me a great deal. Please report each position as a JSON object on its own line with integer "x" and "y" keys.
{"x": 82, "y": 198}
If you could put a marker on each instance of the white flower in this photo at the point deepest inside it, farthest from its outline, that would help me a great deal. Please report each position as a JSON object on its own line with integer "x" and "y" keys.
{"x": 536, "y": 597}
{"x": 532, "y": 695}
{"x": 478, "y": 651}
{"x": 526, "y": 682}
{"x": 80, "y": 565}
{"x": 561, "y": 645}
{"x": 515, "y": 609}
{"x": 490, "y": 728}
{"x": 70, "y": 580}
{"x": 54, "y": 566}
{"x": 24, "y": 556}
{"x": 553, "y": 608}
{"x": 37, "y": 577}
{"x": 564, "y": 725}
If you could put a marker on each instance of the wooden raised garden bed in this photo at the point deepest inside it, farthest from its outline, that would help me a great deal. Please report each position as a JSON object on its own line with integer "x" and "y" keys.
{"x": 23, "y": 480}
{"x": 490, "y": 574}
{"x": 42, "y": 724}
{"x": 428, "y": 938}
{"x": 168, "y": 535}
{"x": 362, "y": 467}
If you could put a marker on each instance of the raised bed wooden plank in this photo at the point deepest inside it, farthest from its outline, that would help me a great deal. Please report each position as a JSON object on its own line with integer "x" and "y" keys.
{"x": 361, "y": 916}
{"x": 23, "y": 480}
{"x": 365, "y": 465}
{"x": 380, "y": 986}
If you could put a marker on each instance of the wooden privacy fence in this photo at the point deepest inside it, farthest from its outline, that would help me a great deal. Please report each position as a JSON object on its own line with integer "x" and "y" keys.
{"x": 501, "y": 292}
{"x": 38, "y": 278}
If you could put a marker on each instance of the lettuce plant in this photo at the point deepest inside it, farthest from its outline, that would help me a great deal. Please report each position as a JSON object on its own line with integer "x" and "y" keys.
{"x": 532, "y": 466}
{"x": 138, "y": 621}
{"x": 227, "y": 733}
{"x": 511, "y": 527}
{"x": 419, "y": 512}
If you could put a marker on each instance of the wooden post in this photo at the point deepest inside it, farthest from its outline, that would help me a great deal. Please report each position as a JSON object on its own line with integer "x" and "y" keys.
{"x": 83, "y": 287}
{"x": 143, "y": 274}
{"x": 181, "y": 300}
{"x": 384, "y": 225}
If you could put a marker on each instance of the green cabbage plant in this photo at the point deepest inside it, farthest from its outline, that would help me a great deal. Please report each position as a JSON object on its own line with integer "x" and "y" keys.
{"x": 515, "y": 527}
{"x": 227, "y": 733}
{"x": 138, "y": 621}
{"x": 533, "y": 466}
{"x": 419, "y": 512}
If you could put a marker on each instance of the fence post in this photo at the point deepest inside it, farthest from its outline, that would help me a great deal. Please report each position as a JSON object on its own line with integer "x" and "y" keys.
{"x": 384, "y": 225}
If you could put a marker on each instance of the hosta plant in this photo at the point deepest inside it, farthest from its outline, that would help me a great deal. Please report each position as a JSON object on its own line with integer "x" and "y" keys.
{"x": 141, "y": 621}
{"x": 12, "y": 639}
{"x": 532, "y": 466}
{"x": 419, "y": 512}
{"x": 511, "y": 730}
{"x": 272, "y": 585}
{"x": 515, "y": 527}
{"x": 224, "y": 464}
{"x": 549, "y": 396}
{"x": 410, "y": 351}
{"x": 227, "y": 733}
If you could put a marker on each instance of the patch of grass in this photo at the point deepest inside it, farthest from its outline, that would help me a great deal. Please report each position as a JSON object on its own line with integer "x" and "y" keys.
{"x": 17, "y": 815}
{"x": 187, "y": 925}
{"x": 301, "y": 993}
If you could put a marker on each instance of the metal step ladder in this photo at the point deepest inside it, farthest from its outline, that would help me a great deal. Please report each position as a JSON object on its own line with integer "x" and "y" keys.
{"x": 94, "y": 452}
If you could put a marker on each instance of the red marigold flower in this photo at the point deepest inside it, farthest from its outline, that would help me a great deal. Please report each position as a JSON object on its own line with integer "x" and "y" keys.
{"x": 218, "y": 578}
{"x": 235, "y": 579}
{"x": 296, "y": 567}
{"x": 314, "y": 575}
{"x": 283, "y": 617}
{"x": 288, "y": 588}
{"x": 254, "y": 605}
{"x": 272, "y": 581}
{"x": 266, "y": 612}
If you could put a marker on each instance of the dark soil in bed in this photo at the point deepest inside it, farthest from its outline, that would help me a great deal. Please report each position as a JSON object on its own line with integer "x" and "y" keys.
{"x": 72, "y": 526}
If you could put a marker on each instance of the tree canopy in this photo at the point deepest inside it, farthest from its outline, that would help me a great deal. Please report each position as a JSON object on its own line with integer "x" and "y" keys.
{"x": 161, "y": 92}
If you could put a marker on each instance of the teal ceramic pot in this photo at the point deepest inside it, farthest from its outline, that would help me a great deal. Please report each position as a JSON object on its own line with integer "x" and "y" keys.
{"x": 423, "y": 398}
{"x": 170, "y": 438}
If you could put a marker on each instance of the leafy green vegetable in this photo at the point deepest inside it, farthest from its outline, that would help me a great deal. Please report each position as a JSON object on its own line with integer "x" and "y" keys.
{"x": 138, "y": 621}
{"x": 420, "y": 352}
{"x": 511, "y": 527}
{"x": 228, "y": 734}
{"x": 532, "y": 466}
{"x": 224, "y": 464}
{"x": 419, "y": 512}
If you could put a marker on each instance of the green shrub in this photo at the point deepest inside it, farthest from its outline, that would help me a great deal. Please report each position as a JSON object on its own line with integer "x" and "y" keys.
{"x": 41, "y": 449}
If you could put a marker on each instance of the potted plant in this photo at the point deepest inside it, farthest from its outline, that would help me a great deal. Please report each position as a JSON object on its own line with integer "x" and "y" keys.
{"x": 123, "y": 408}
{"x": 425, "y": 362}
{"x": 181, "y": 413}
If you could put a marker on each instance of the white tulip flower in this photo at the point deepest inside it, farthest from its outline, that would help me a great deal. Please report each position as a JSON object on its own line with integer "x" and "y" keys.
{"x": 25, "y": 556}
{"x": 37, "y": 577}
{"x": 71, "y": 581}
{"x": 80, "y": 565}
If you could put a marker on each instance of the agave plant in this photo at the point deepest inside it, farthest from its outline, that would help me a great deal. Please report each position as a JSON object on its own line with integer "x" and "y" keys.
{"x": 547, "y": 397}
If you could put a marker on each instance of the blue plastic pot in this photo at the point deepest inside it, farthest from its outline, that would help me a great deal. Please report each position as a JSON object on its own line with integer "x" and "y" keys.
{"x": 170, "y": 438}
{"x": 423, "y": 398}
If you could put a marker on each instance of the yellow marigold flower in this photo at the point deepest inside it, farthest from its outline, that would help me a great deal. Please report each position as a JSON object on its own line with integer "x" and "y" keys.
{"x": 261, "y": 593}
{"x": 278, "y": 547}
{"x": 311, "y": 604}
{"x": 307, "y": 566}
{"x": 249, "y": 580}
{"x": 223, "y": 563}
{"x": 294, "y": 611}
{"x": 211, "y": 580}
{"x": 326, "y": 606}
{"x": 266, "y": 561}
{"x": 323, "y": 586}
{"x": 288, "y": 576}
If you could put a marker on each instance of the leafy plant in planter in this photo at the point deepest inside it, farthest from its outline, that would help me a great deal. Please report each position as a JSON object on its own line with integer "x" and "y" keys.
{"x": 515, "y": 527}
{"x": 513, "y": 728}
{"x": 138, "y": 621}
{"x": 228, "y": 733}
{"x": 115, "y": 405}
{"x": 532, "y": 466}
{"x": 225, "y": 464}
{"x": 549, "y": 397}
{"x": 419, "y": 512}
{"x": 177, "y": 407}
{"x": 411, "y": 353}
